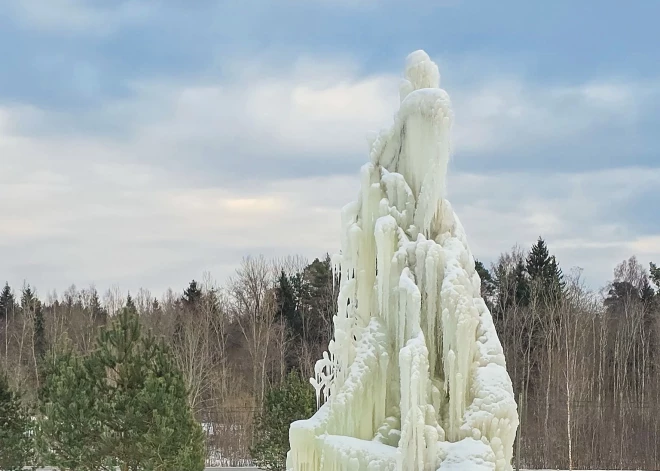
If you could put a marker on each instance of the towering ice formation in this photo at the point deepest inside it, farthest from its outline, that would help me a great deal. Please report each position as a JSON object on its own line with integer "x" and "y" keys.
{"x": 415, "y": 378}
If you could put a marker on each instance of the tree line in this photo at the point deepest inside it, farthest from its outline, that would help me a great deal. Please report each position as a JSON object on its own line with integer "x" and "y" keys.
{"x": 583, "y": 362}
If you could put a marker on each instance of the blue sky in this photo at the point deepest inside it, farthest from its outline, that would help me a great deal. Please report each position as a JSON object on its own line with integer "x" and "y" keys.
{"x": 143, "y": 143}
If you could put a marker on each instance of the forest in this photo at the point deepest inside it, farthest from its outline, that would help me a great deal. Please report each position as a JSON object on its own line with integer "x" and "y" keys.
{"x": 583, "y": 362}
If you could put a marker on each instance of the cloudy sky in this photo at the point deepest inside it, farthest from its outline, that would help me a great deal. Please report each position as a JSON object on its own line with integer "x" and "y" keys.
{"x": 143, "y": 143}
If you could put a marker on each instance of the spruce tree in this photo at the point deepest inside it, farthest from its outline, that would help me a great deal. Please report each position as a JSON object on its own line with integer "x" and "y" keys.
{"x": 98, "y": 313}
{"x": 16, "y": 444}
{"x": 192, "y": 296}
{"x": 538, "y": 260}
{"x": 545, "y": 276}
{"x": 7, "y": 301}
{"x": 130, "y": 304}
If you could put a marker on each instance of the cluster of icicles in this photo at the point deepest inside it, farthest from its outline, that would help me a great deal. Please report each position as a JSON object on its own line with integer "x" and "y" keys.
{"x": 415, "y": 378}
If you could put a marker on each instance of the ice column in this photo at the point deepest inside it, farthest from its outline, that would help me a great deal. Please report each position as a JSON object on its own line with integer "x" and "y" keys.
{"x": 415, "y": 377}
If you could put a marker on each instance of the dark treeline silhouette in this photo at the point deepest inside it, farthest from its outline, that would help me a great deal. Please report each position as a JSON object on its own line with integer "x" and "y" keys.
{"x": 583, "y": 363}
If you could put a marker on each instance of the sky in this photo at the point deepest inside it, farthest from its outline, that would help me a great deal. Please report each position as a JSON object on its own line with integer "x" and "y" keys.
{"x": 144, "y": 143}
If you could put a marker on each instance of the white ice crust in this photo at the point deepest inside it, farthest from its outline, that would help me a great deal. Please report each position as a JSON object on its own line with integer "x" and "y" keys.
{"x": 414, "y": 378}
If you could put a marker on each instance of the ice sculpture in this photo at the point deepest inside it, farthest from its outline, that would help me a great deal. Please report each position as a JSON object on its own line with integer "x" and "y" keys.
{"x": 415, "y": 377}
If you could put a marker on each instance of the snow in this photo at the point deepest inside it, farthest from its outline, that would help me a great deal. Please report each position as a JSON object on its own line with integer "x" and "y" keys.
{"x": 415, "y": 376}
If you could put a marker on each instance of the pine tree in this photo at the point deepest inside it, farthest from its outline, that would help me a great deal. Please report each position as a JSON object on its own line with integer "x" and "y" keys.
{"x": 128, "y": 407}
{"x": 16, "y": 445}
{"x": 293, "y": 400}
{"x": 70, "y": 433}
{"x": 150, "y": 420}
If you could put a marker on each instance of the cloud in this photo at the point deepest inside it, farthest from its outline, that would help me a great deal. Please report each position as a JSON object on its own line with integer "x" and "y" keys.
{"x": 77, "y": 16}
{"x": 512, "y": 116}
{"x": 311, "y": 118}
{"x": 190, "y": 175}
{"x": 584, "y": 217}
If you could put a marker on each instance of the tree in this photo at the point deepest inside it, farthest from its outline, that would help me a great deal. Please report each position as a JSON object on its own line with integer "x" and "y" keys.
{"x": 39, "y": 338}
{"x": 16, "y": 445}
{"x": 192, "y": 296}
{"x": 69, "y": 432}
{"x": 655, "y": 276}
{"x": 151, "y": 424}
{"x": 99, "y": 315}
{"x": 487, "y": 284}
{"x": 293, "y": 400}
{"x": 7, "y": 301}
{"x": 124, "y": 405}
{"x": 254, "y": 307}
{"x": 544, "y": 272}
{"x": 130, "y": 304}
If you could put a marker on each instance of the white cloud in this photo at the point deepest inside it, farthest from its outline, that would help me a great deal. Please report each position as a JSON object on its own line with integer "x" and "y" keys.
{"x": 77, "y": 16}
{"x": 511, "y": 114}
{"x": 126, "y": 209}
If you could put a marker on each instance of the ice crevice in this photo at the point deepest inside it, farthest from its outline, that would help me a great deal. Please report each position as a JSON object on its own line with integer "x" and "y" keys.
{"x": 414, "y": 377}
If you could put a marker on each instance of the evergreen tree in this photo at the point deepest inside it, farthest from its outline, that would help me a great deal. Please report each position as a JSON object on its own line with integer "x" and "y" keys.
{"x": 655, "y": 276}
{"x": 487, "y": 284}
{"x": 287, "y": 303}
{"x": 16, "y": 445}
{"x": 130, "y": 304}
{"x": 521, "y": 285}
{"x": 544, "y": 273}
{"x": 646, "y": 293}
{"x": 39, "y": 332}
{"x": 293, "y": 400}
{"x": 129, "y": 403}
{"x": 7, "y": 301}
{"x": 98, "y": 313}
{"x": 192, "y": 296}
{"x": 70, "y": 432}
{"x": 155, "y": 307}
{"x": 150, "y": 420}
{"x": 27, "y": 298}
{"x": 538, "y": 260}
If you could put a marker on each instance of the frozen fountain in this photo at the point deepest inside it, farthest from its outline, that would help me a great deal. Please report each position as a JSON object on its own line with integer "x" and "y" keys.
{"x": 414, "y": 378}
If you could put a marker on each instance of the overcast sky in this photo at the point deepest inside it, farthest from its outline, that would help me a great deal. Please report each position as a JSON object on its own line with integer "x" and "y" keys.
{"x": 143, "y": 143}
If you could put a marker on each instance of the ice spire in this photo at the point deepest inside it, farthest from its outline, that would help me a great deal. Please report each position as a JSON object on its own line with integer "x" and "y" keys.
{"x": 414, "y": 378}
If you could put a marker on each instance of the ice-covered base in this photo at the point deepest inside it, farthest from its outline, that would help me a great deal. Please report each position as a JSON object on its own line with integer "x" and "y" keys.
{"x": 415, "y": 377}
